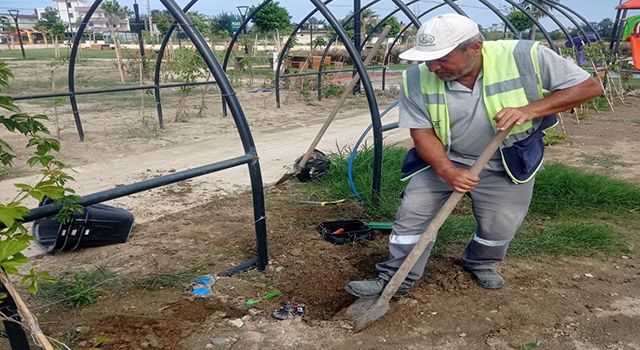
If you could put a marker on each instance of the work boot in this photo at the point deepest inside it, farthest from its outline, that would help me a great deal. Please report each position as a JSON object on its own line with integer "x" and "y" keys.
{"x": 373, "y": 288}
{"x": 487, "y": 278}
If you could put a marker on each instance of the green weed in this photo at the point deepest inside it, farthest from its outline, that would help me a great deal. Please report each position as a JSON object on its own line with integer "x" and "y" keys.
{"x": 83, "y": 288}
{"x": 554, "y": 138}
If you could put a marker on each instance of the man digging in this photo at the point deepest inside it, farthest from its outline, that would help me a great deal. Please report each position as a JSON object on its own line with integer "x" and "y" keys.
{"x": 453, "y": 102}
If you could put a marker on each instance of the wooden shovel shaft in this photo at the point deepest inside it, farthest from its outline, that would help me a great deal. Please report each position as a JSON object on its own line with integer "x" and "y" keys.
{"x": 428, "y": 235}
{"x": 343, "y": 98}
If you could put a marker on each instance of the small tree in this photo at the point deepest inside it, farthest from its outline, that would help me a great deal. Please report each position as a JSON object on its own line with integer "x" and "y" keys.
{"x": 273, "y": 18}
{"x": 14, "y": 236}
{"x": 394, "y": 24}
{"x": 50, "y": 24}
{"x": 114, "y": 14}
{"x": 519, "y": 20}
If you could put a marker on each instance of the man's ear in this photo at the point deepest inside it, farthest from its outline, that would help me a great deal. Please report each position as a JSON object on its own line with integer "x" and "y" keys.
{"x": 476, "y": 48}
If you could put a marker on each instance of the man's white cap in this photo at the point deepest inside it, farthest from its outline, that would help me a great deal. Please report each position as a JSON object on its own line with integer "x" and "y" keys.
{"x": 440, "y": 35}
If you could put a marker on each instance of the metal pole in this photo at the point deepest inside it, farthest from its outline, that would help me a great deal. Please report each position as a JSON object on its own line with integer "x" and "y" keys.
{"x": 139, "y": 31}
{"x": 14, "y": 14}
{"x": 357, "y": 19}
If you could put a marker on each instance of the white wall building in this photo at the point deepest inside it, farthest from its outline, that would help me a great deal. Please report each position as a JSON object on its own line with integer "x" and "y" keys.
{"x": 73, "y": 11}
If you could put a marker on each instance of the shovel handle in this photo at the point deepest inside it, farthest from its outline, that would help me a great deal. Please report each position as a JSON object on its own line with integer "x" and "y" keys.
{"x": 429, "y": 234}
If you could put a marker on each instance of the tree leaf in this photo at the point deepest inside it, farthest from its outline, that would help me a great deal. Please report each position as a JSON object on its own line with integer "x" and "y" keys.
{"x": 9, "y": 248}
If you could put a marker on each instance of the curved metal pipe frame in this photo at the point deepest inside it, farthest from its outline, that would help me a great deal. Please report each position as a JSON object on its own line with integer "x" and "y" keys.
{"x": 278, "y": 74}
{"x": 531, "y": 17}
{"x": 571, "y": 19}
{"x": 381, "y": 22}
{"x": 548, "y": 14}
{"x": 234, "y": 38}
{"x": 595, "y": 32}
{"x": 156, "y": 75}
{"x": 72, "y": 67}
{"x": 285, "y": 49}
{"x": 401, "y": 6}
{"x": 371, "y": 97}
{"x": 241, "y": 124}
{"x": 222, "y": 81}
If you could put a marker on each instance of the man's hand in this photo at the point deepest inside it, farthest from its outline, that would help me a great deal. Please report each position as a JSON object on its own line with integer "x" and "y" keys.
{"x": 459, "y": 179}
{"x": 513, "y": 116}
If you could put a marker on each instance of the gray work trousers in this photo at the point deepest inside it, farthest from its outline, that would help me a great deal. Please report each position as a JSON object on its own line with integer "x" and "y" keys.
{"x": 499, "y": 207}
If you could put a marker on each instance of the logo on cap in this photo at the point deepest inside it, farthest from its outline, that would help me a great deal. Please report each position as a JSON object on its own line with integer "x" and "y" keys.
{"x": 426, "y": 40}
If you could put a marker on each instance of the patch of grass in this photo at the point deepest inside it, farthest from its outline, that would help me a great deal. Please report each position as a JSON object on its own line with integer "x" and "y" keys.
{"x": 47, "y": 54}
{"x": 603, "y": 160}
{"x": 82, "y": 288}
{"x": 334, "y": 184}
{"x": 632, "y": 83}
{"x": 573, "y": 238}
{"x": 561, "y": 189}
{"x": 457, "y": 229}
{"x": 170, "y": 279}
{"x": 145, "y": 127}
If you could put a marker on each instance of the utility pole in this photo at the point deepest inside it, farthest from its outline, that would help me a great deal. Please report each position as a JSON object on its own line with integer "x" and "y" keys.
{"x": 14, "y": 14}
{"x": 243, "y": 14}
{"x": 136, "y": 11}
{"x": 151, "y": 31}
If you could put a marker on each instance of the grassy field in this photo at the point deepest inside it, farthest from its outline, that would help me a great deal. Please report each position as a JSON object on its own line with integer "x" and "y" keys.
{"x": 47, "y": 54}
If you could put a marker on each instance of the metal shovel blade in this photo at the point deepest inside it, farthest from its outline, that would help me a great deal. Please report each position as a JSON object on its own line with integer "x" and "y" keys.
{"x": 364, "y": 311}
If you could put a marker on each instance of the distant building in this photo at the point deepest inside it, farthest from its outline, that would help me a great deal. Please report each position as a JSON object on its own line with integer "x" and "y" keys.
{"x": 73, "y": 11}
{"x": 26, "y": 20}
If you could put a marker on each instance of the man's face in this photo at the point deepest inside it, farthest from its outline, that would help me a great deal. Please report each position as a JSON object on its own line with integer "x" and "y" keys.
{"x": 454, "y": 65}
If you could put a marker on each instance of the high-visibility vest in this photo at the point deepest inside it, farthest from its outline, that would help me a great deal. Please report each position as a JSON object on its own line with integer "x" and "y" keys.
{"x": 511, "y": 78}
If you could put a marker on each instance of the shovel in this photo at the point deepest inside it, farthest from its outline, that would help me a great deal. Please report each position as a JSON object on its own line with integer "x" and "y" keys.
{"x": 366, "y": 310}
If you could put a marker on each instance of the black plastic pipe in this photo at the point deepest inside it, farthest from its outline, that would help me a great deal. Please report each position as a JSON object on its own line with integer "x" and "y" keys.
{"x": 571, "y": 19}
{"x": 241, "y": 124}
{"x": 72, "y": 67}
{"x": 577, "y": 14}
{"x": 548, "y": 14}
{"x": 235, "y": 37}
{"x": 125, "y": 190}
{"x": 156, "y": 75}
{"x": 120, "y": 89}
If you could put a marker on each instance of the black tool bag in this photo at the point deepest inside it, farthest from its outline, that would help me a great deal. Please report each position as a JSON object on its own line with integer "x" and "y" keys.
{"x": 315, "y": 167}
{"x": 98, "y": 225}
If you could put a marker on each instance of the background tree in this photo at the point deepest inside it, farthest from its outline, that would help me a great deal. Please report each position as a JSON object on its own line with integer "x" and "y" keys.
{"x": 519, "y": 20}
{"x": 50, "y": 24}
{"x": 162, "y": 19}
{"x": 115, "y": 14}
{"x": 272, "y": 18}
{"x": 223, "y": 22}
{"x": 394, "y": 24}
{"x": 201, "y": 22}
{"x": 536, "y": 13}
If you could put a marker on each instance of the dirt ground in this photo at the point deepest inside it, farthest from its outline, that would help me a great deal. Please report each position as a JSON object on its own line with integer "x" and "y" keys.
{"x": 549, "y": 302}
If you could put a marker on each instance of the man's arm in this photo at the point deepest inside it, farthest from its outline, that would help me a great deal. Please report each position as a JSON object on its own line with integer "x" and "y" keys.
{"x": 432, "y": 151}
{"x": 558, "y": 101}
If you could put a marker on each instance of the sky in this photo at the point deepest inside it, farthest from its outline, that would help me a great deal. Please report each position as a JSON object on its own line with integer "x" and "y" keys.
{"x": 592, "y": 10}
